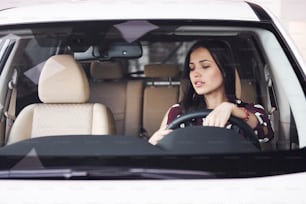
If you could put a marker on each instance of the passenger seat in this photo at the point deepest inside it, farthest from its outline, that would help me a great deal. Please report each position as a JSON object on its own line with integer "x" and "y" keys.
{"x": 63, "y": 89}
{"x": 160, "y": 93}
{"x": 122, "y": 96}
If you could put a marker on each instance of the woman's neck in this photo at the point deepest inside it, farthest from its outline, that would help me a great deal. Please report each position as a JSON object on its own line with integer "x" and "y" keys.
{"x": 214, "y": 99}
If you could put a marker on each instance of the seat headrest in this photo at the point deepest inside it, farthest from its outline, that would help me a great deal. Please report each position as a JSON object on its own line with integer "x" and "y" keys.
{"x": 63, "y": 80}
{"x": 106, "y": 70}
{"x": 161, "y": 70}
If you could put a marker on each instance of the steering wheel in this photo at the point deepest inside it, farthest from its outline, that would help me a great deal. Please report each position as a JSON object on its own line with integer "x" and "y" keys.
{"x": 249, "y": 133}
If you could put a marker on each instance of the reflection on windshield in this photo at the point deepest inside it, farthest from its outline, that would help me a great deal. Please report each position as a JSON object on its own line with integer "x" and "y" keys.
{"x": 29, "y": 161}
{"x": 132, "y": 30}
{"x": 34, "y": 72}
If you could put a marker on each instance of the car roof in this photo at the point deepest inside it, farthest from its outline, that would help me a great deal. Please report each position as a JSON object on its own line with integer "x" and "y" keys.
{"x": 129, "y": 9}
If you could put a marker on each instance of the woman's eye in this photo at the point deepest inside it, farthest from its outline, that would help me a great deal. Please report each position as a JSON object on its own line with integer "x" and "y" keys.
{"x": 205, "y": 65}
{"x": 191, "y": 68}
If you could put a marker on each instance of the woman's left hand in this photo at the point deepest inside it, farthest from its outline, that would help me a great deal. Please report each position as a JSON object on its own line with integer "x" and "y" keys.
{"x": 220, "y": 115}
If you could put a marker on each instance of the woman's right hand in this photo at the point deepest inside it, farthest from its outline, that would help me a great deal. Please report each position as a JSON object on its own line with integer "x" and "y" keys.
{"x": 158, "y": 135}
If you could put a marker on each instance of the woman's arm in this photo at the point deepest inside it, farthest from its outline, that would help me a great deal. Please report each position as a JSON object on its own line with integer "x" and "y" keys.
{"x": 256, "y": 117}
{"x": 161, "y": 132}
{"x": 260, "y": 123}
{"x": 243, "y": 113}
{"x": 263, "y": 128}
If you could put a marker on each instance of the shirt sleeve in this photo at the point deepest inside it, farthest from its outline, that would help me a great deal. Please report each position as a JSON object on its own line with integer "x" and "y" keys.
{"x": 263, "y": 121}
{"x": 174, "y": 112}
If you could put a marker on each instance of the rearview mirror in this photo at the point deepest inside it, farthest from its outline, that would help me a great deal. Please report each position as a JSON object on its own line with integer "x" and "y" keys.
{"x": 115, "y": 50}
{"x": 122, "y": 50}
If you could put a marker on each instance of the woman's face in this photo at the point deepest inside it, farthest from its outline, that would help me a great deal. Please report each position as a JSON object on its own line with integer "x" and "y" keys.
{"x": 205, "y": 76}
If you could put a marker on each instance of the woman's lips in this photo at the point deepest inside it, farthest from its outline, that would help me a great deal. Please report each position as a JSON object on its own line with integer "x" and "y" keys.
{"x": 198, "y": 84}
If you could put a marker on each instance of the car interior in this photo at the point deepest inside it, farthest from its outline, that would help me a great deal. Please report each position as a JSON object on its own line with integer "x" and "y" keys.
{"x": 112, "y": 85}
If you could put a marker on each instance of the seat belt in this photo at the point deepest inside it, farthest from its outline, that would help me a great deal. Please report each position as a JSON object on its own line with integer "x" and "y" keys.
{"x": 10, "y": 105}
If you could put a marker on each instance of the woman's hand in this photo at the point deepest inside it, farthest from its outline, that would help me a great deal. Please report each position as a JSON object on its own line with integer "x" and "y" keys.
{"x": 158, "y": 135}
{"x": 220, "y": 115}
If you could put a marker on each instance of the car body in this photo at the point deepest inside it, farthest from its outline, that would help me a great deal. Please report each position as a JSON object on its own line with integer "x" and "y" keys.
{"x": 148, "y": 41}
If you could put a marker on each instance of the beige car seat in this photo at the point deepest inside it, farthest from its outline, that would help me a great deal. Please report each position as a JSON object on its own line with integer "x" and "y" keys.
{"x": 122, "y": 96}
{"x": 159, "y": 95}
{"x": 246, "y": 90}
{"x": 63, "y": 88}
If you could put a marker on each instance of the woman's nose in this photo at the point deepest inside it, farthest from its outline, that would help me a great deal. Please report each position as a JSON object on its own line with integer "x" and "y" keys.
{"x": 196, "y": 73}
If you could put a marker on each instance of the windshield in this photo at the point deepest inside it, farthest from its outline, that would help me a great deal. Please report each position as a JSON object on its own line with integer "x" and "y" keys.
{"x": 149, "y": 99}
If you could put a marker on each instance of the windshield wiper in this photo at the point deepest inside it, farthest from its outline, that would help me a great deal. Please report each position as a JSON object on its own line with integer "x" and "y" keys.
{"x": 146, "y": 173}
{"x": 106, "y": 173}
{"x": 42, "y": 173}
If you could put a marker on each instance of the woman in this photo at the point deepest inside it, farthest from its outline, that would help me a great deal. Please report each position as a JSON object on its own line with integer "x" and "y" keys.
{"x": 209, "y": 75}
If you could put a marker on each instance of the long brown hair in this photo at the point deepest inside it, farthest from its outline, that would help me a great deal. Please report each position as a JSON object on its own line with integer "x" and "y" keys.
{"x": 222, "y": 54}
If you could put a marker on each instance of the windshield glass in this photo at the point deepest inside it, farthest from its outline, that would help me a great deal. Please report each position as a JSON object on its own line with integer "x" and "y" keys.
{"x": 141, "y": 96}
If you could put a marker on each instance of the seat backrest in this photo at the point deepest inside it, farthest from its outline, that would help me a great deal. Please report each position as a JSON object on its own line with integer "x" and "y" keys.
{"x": 160, "y": 93}
{"x": 122, "y": 96}
{"x": 63, "y": 88}
{"x": 246, "y": 89}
